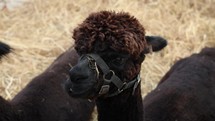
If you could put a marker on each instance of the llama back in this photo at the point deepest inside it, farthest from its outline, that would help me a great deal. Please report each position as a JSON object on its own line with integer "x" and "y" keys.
{"x": 186, "y": 92}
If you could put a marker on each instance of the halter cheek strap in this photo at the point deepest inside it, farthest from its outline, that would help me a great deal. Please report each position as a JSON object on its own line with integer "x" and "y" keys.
{"x": 114, "y": 79}
{"x": 133, "y": 83}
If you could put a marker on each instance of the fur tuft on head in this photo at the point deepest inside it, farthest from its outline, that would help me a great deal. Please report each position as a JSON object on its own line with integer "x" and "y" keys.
{"x": 103, "y": 30}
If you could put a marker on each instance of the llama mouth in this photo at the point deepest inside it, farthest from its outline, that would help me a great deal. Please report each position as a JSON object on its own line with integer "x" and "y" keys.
{"x": 79, "y": 94}
{"x": 78, "y": 89}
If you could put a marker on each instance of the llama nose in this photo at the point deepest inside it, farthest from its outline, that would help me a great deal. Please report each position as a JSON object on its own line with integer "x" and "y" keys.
{"x": 78, "y": 76}
{"x": 67, "y": 86}
{"x": 78, "y": 79}
{"x": 79, "y": 73}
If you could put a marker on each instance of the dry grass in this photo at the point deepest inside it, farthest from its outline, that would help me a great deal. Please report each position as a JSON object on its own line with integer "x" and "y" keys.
{"x": 41, "y": 29}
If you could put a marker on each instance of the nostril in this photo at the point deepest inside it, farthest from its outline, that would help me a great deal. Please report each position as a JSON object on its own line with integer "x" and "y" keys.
{"x": 77, "y": 76}
{"x": 67, "y": 85}
{"x": 78, "y": 79}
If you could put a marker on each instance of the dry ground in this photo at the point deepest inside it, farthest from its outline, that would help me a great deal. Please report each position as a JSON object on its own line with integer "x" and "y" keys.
{"x": 41, "y": 29}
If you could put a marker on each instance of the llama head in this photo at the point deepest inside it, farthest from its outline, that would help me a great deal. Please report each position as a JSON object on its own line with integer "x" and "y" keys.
{"x": 112, "y": 47}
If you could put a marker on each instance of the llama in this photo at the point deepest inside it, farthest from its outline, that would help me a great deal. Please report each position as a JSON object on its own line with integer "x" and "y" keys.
{"x": 44, "y": 99}
{"x": 112, "y": 47}
{"x": 186, "y": 92}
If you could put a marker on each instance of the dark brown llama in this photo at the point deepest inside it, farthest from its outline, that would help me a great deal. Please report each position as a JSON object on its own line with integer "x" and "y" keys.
{"x": 186, "y": 92}
{"x": 112, "y": 47}
{"x": 44, "y": 98}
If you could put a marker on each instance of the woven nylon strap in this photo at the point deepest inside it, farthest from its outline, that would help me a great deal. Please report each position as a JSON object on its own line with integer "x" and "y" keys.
{"x": 114, "y": 79}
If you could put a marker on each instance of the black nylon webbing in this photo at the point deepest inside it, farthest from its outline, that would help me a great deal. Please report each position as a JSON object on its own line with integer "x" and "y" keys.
{"x": 114, "y": 79}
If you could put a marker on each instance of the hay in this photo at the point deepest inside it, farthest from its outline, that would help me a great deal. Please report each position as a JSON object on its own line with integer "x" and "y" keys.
{"x": 40, "y": 30}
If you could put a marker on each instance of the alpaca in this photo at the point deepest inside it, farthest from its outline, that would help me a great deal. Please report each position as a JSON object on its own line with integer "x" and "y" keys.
{"x": 112, "y": 47}
{"x": 186, "y": 92}
{"x": 44, "y": 98}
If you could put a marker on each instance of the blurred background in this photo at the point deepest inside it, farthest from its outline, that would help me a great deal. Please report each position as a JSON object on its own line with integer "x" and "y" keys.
{"x": 40, "y": 30}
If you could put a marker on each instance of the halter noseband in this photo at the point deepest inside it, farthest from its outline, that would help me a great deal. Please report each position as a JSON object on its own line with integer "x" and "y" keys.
{"x": 95, "y": 61}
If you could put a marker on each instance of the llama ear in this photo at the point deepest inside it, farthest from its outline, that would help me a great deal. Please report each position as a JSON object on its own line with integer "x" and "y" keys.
{"x": 155, "y": 43}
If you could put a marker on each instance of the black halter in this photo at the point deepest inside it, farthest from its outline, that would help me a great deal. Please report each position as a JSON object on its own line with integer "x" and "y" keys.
{"x": 95, "y": 61}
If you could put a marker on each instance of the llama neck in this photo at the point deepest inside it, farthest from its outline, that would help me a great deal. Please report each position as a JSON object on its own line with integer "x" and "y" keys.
{"x": 7, "y": 112}
{"x": 123, "y": 107}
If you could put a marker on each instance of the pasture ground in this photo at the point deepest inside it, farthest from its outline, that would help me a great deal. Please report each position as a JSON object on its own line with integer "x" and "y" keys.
{"x": 40, "y": 30}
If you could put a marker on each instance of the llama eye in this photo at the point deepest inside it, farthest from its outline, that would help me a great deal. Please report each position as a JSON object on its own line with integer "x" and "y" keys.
{"x": 119, "y": 61}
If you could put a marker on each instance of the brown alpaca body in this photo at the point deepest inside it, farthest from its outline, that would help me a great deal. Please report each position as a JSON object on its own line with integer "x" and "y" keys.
{"x": 186, "y": 92}
{"x": 44, "y": 98}
{"x": 123, "y": 107}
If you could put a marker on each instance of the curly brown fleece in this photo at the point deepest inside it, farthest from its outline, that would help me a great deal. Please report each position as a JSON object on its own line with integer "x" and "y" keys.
{"x": 118, "y": 31}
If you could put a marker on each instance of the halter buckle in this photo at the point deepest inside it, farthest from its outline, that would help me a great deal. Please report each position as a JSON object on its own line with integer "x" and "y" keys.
{"x": 104, "y": 89}
{"x": 122, "y": 88}
{"x": 93, "y": 65}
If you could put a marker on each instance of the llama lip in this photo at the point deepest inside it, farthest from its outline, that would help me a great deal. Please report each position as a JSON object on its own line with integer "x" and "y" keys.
{"x": 76, "y": 89}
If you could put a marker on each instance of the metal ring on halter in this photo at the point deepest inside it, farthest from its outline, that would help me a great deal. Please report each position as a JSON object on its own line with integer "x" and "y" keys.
{"x": 92, "y": 64}
{"x": 108, "y": 80}
{"x": 122, "y": 88}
